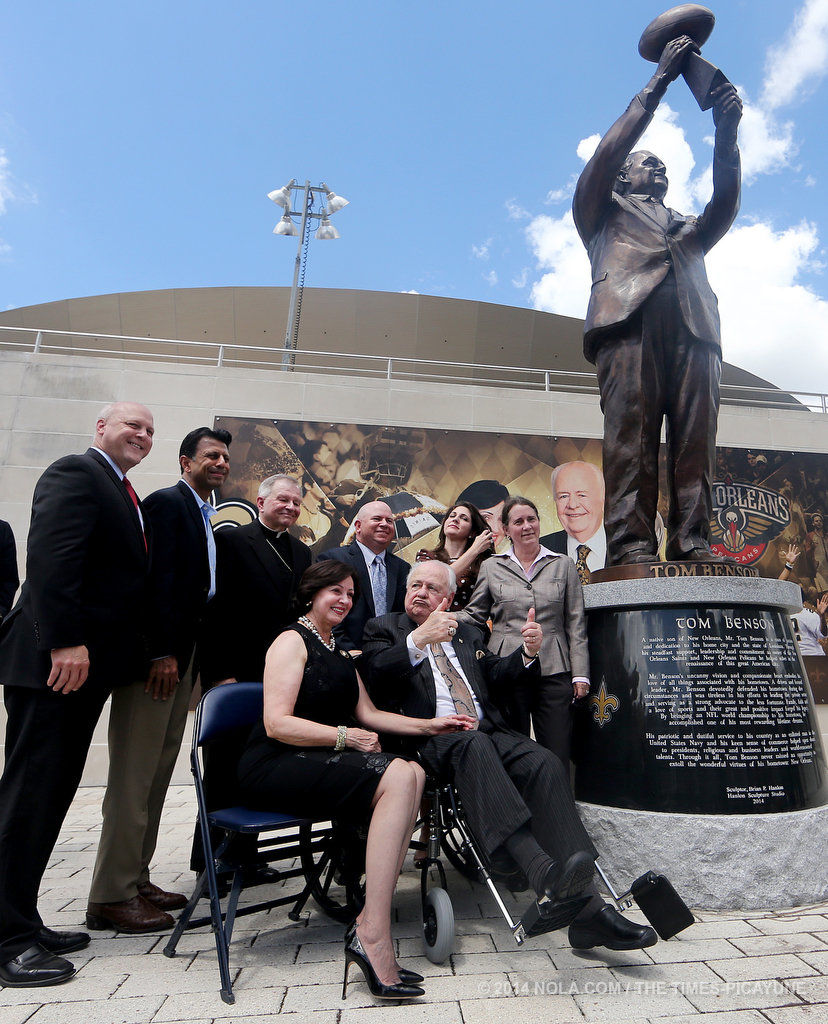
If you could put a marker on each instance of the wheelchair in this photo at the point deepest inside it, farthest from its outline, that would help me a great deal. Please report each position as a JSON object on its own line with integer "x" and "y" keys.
{"x": 448, "y": 833}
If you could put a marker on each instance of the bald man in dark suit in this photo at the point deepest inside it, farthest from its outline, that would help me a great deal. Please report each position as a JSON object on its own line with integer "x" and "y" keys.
{"x": 76, "y": 632}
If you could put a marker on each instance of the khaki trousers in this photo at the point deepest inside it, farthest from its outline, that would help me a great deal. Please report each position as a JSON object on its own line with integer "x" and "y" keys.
{"x": 144, "y": 739}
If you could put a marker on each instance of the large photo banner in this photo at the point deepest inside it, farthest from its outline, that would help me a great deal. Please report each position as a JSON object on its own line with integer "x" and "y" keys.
{"x": 764, "y": 501}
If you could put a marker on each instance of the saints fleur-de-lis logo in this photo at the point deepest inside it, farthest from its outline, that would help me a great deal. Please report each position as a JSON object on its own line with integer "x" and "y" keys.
{"x": 603, "y": 705}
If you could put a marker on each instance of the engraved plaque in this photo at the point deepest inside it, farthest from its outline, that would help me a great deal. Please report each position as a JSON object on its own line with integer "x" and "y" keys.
{"x": 698, "y": 710}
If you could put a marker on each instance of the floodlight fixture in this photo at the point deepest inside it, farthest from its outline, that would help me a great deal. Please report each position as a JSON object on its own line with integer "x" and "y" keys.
{"x": 335, "y": 202}
{"x": 286, "y": 225}
{"x": 326, "y": 229}
{"x": 281, "y": 197}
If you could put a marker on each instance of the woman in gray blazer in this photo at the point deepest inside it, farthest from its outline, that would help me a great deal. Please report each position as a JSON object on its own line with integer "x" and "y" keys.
{"x": 530, "y": 576}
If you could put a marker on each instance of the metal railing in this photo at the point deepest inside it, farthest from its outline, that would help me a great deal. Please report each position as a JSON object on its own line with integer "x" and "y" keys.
{"x": 399, "y": 368}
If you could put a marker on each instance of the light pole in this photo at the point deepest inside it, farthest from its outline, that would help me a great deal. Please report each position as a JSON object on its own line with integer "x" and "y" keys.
{"x": 311, "y": 195}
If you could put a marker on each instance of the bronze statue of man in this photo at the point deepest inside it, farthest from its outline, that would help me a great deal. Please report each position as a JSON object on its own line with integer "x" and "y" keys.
{"x": 652, "y": 326}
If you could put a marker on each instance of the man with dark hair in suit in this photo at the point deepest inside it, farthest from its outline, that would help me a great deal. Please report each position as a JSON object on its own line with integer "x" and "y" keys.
{"x": 381, "y": 575}
{"x": 652, "y": 325}
{"x": 147, "y": 719}
{"x": 258, "y": 568}
{"x": 515, "y": 793}
{"x": 75, "y": 633}
{"x": 9, "y": 579}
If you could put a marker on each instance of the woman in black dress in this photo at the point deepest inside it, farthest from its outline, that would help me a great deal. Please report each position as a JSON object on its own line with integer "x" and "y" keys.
{"x": 317, "y": 753}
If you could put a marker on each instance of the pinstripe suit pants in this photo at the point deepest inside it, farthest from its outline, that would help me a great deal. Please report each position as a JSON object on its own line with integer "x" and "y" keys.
{"x": 504, "y": 781}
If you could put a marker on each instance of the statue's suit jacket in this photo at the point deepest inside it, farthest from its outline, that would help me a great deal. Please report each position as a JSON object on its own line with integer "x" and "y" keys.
{"x": 631, "y": 253}
{"x": 504, "y": 596}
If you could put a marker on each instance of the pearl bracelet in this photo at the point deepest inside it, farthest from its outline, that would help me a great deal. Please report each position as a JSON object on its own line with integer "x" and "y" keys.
{"x": 341, "y": 737}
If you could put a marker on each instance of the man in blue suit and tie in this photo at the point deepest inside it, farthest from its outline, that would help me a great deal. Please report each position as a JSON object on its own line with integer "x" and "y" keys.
{"x": 381, "y": 575}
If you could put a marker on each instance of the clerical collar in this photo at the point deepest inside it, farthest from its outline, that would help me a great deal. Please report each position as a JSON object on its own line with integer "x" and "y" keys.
{"x": 274, "y": 534}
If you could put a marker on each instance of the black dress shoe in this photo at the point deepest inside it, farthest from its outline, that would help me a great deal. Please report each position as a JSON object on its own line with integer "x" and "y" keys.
{"x": 606, "y": 927}
{"x": 560, "y": 883}
{"x": 33, "y": 967}
{"x": 61, "y": 942}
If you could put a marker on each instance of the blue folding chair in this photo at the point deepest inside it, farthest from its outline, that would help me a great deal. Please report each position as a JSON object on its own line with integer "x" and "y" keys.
{"x": 221, "y": 711}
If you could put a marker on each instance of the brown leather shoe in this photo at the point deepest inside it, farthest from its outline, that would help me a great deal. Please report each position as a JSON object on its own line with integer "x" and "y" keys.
{"x": 136, "y": 915}
{"x": 159, "y": 898}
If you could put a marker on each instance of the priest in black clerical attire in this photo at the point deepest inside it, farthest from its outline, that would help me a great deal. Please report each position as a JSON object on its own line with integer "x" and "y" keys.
{"x": 258, "y": 567}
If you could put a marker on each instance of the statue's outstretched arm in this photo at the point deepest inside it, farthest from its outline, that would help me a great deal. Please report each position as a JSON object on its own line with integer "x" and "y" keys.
{"x": 592, "y": 193}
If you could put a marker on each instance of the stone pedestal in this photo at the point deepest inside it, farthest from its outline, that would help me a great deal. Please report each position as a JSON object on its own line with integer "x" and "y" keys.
{"x": 698, "y": 746}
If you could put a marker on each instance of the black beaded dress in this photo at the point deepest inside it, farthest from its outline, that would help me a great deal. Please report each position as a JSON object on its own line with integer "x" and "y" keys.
{"x": 314, "y": 781}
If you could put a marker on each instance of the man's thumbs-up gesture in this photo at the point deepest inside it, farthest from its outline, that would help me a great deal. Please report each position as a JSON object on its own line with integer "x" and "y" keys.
{"x": 532, "y": 635}
{"x": 437, "y": 628}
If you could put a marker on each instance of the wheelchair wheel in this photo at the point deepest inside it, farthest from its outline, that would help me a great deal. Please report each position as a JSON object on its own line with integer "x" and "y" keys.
{"x": 438, "y": 926}
{"x": 328, "y": 859}
{"x": 457, "y": 854}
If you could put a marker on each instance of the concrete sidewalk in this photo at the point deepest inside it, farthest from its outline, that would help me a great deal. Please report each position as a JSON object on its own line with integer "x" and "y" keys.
{"x": 728, "y": 969}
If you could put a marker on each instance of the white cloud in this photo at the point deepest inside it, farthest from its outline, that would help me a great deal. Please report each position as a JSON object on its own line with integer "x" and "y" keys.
{"x": 797, "y": 64}
{"x": 481, "y": 252}
{"x": 771, "y": 322}
{"x": 409, "y": 291}
{"x": 766, "y": 143}
{"x": 6, "y": 190}
{"x": 564, "y": 288}
{"x": 522, "y": 278}
{"x": 491, "y": 278}
{"x": 516, "y": 211}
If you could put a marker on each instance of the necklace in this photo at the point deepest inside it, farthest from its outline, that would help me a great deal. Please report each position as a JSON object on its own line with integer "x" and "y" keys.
{"x": 306, "y": 622}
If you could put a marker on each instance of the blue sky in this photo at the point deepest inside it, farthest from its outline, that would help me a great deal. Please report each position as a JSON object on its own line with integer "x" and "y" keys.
{"x": 139, "y": 142}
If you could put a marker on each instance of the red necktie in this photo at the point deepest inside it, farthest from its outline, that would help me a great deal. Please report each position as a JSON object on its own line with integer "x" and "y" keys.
{"x": 131, "y": 492}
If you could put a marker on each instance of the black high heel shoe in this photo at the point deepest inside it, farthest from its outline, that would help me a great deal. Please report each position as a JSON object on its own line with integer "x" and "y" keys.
{"x": 406, "y": 977}
{"x": 355, "y": 954}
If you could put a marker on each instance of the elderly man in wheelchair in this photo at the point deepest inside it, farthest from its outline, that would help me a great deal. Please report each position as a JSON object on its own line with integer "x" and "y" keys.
{"x": 515, "y": 794}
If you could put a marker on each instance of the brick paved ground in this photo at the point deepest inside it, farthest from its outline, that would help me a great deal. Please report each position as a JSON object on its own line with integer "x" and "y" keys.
{"x": 729, "y": 968}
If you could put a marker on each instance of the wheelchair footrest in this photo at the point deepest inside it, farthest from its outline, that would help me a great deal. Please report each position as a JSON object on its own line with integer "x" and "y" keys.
{"x": 547, "y": 916}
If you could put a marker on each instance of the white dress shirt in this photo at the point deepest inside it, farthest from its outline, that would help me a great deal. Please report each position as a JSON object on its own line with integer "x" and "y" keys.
{"x": 597, "y": 544}
{"x": 445, "y": 703}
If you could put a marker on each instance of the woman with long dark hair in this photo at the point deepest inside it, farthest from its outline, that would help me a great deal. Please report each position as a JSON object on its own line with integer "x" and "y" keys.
{"x": 464, "y": 541}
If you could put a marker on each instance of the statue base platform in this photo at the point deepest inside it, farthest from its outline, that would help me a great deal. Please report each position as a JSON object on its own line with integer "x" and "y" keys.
{"x": 697, "y": 752}
{"x": 717, "y": 862}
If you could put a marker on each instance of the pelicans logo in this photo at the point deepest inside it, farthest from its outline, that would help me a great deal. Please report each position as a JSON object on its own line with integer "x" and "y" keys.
{"x": 745, "y": 518}
{"x": 603, "y": 706}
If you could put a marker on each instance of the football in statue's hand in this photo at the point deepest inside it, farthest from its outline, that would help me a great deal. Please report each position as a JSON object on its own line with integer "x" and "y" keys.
{"x": 685, "y": 20}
